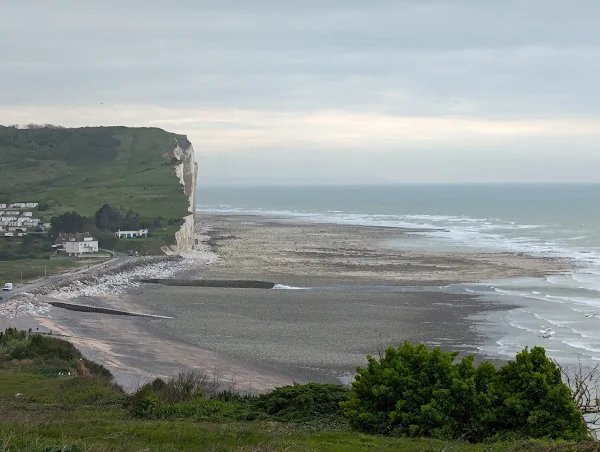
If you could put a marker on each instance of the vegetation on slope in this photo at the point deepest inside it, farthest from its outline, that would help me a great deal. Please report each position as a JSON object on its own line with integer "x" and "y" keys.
{"x": 44, "y": 408}
{"x": 80, "y": 170}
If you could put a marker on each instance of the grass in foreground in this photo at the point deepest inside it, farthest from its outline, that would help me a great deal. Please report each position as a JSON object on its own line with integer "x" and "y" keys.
{"x": 71, "y": 414}
{"x": 43, "y": 408}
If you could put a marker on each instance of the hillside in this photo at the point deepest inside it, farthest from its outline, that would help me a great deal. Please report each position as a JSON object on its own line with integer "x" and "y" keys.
{"x": 84, "y": 168}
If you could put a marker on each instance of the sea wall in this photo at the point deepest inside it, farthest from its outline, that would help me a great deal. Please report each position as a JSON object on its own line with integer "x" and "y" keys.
{"x": 222, "y": 283}
{"x": 187, "y": 172}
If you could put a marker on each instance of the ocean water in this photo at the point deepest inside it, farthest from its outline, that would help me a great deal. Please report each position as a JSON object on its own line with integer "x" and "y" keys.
{"x": 542, "y": 220}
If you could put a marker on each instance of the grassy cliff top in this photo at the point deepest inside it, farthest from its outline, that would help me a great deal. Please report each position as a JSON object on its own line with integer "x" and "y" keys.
{"x": 81, "y": 169}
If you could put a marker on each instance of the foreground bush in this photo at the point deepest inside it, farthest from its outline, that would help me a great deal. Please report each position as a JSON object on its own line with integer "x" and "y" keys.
{"x": 299, "y": 403}
{"x": 412, "y": 391}
{"x": 47, "y": 355}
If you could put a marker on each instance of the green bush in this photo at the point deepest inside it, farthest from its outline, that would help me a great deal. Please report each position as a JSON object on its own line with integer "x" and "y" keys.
{"x": 531, "y": 399}
{"x": 300, "y": 403}
{"x": 18, "y": 345}
{"x": 413, "y": 391}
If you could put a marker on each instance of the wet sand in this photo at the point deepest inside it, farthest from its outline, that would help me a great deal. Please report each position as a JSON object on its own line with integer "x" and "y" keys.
{"x": 315, "y": 335}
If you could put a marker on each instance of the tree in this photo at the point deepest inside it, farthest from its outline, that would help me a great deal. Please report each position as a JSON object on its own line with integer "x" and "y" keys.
{"x": 132, "y": 220}
{"x": 413, "y": 391}
{"x": 69, "y": 222}
{"x": 27, "y": 244}
{"x": 108, "y": 218}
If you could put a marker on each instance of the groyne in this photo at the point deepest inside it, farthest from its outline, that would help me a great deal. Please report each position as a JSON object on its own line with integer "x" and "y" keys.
{"x": 86, "y": 308}
{"x": 224, "y": 283}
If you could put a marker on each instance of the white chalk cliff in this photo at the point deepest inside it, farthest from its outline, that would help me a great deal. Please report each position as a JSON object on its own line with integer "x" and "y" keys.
{"x": 187, "y": 171}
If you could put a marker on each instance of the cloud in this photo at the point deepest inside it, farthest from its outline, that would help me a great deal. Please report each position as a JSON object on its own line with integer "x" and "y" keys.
{"x": 315, "y": 79}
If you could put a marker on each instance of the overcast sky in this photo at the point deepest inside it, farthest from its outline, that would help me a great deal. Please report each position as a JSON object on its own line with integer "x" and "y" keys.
{"x": 322, "y": 91}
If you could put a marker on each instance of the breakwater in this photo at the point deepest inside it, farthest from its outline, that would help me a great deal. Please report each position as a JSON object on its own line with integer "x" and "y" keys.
{"x": 86, "y": 308}
{"x": 224, "y": 283}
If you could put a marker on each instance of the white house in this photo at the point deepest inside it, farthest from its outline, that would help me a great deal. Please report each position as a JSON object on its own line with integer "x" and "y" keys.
{"x": 131, "y": 234}
{"x": 9, "y": 234}
{"x": 2, "y": 206}
{"x": 21, "y": 234}
{"x": 17, "y": 205}
{"x": 12, "y": 212}
{"x": 31, "y": 204}
{"x": 27, "y": 214}
{"x": 47, "y": 225}
{"x": 77, "y": 244}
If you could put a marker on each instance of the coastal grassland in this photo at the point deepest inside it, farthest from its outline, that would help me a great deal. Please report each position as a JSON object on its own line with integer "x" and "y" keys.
{"x": 52, "y": 398}
{"x": 30, "y": 269}
{"x": 82, "y": 169}
{"x": 77, "y": 414}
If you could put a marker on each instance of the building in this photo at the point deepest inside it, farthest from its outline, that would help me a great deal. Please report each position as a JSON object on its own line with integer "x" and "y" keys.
{"x": 31, "y": 205}
{"x": 2, "y": 206}
{"x": 27, "y": 214}
{"x": 17, "y": 205}
{"x": 9, "y": 234}
{"x": 76, "y": 244}
{"x": 132, "y": 234}
{"x": 47, "y": 225}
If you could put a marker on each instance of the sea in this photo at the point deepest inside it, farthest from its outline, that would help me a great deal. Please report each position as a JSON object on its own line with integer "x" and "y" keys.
{"x": 548, "y": 220}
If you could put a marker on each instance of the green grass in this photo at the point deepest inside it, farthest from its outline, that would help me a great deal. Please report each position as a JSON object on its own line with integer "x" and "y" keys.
{"x": 74, "y": 412}
{"x": 30, "y": 269}
{"x": 43, "y": 411}
{"x": 60, "y": 422}
{"x": 82, "y": 169}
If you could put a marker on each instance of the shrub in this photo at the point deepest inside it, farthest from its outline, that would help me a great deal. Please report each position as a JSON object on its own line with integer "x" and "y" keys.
{"x": 299, "y": 403}
{"x": 412, "y": 391}
{"x": 188, "y": 385}
{"x": 533, "y": 399}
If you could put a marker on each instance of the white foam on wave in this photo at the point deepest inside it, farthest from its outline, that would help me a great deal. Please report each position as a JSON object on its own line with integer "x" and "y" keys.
{"x": 581, "y": 346}
{"x": 284, "y": 287}
{"x": 460, "y": 230}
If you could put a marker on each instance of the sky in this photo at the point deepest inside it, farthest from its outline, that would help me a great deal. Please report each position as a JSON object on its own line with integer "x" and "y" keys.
{"x": 322, "y": 92}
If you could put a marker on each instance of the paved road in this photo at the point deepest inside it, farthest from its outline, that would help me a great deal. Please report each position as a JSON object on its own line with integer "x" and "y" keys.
{"x": 19, "y": 288}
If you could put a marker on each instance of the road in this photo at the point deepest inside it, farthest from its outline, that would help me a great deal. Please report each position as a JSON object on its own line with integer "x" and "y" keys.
{"x": 20, "y": 288}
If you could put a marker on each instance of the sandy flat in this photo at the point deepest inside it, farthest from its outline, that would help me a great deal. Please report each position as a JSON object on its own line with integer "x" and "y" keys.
{"x": 308, "y": 254}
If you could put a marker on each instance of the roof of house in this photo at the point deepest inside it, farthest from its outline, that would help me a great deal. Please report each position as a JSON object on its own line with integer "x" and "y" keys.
{"x": 64, "y": 237}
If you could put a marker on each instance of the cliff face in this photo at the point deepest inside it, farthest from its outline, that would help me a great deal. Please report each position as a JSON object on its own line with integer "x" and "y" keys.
{"x": 187, "y": 171}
